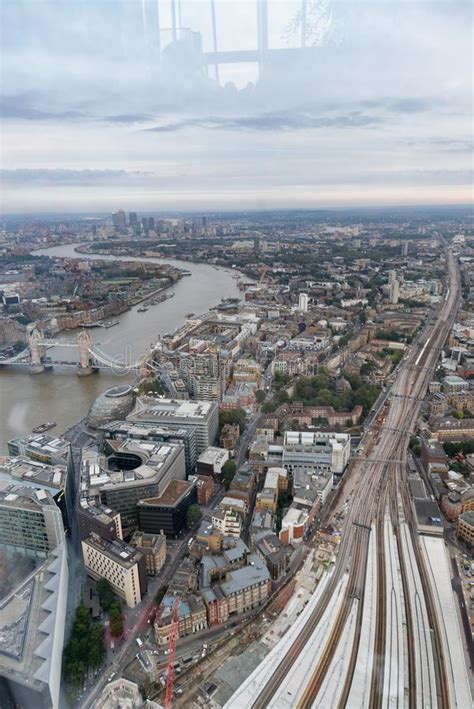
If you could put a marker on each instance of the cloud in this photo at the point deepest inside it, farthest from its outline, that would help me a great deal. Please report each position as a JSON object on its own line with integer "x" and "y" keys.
{"x": 269, "y": 122}
{"x": 51, "y": 176}
{"x": 29, "y": 107}
{"x": 383, "y": 95}
{"x": 22, "y": 107}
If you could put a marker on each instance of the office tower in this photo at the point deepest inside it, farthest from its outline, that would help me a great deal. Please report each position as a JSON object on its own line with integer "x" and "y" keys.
{"x": 303, "y": 302}
{"x": 119, "y": 219}
{"x": 151, "y": 223}
{"x": 133, "y": 219}
{"x": 30, "y": 521}
{"x": 33, "y": 613}
{"x": 201, "y": 415}
{"x": 145, "y": 226}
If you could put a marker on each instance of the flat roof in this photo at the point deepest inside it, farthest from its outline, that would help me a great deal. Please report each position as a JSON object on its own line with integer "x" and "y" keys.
{"x": 14, "y": 495}
{"x": 147, "y": 407}
{"x": 42, "y": 442}
{"x": 32, "y": 472}
{"x": 212, "y": 455}
{"x": 171, "y": 495}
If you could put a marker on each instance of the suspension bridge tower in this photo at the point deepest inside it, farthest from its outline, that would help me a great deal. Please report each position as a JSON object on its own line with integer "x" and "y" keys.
{"x": 37, "y": 350}
{"x": 86, "y": 363}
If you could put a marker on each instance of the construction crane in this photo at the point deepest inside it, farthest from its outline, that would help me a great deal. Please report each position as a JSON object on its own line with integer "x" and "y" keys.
{"x": 173, "y": 636}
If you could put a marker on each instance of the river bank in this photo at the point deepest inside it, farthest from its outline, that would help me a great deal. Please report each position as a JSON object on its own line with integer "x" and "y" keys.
{"x": 59, "y": 395}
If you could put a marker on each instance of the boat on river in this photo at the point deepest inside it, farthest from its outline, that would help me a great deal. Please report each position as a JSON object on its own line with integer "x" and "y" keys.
{"x": 44, "y": 427}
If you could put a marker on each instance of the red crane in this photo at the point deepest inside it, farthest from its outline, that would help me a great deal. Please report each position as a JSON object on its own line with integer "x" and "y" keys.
{"x": 173, "y": 636}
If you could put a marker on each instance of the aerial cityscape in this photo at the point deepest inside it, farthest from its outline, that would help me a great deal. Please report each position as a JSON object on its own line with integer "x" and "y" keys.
{"x": 283, "y": 481}
{"x": 236, "y": 355}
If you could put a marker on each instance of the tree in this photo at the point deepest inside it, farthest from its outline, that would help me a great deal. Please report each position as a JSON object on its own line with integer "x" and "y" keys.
{"x": 260, "y": 396}
{"x": 96, "y": 646}
{"x": 228, "y": 471}
{"x": 151, "y": 386}
{"x": 116, "y": 619}
{"x": 85, "y": 649}
{"x": 193, "y": 516}
{"x": 232, "y": 416}
{"x": 106, "y": 595}
{"x": 281, "y": 397}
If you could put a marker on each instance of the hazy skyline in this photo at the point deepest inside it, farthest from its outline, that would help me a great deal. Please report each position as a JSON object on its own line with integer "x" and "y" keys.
{"x": 379, "y": 113}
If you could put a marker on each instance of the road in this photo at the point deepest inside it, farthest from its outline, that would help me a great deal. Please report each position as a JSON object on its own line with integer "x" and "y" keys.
{"x": 137, "y": 622}
{"x": 373, "y": 636}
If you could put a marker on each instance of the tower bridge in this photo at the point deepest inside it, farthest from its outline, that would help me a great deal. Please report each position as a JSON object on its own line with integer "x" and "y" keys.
{"x": 90, "y": 357}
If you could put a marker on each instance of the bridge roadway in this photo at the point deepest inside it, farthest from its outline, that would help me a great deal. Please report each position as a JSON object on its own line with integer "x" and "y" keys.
{"x": 405, "y": 642}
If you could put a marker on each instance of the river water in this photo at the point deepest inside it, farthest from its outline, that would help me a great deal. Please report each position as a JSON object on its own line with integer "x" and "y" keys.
{"x": 59, "y": 395}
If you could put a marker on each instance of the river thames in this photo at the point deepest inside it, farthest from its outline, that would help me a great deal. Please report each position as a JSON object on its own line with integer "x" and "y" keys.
{"x": 59, "y": 395}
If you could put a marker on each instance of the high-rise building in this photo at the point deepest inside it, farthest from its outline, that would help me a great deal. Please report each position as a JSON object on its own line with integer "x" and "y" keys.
{"x": 30, "y": 521}
{"x": 167, "y": 513}
{"x": 119, "y": 219}
{"x": 136, "y": 470}
{"x": 132, "y": 219}
{"x": 151, "y": 223}
{"x": 53, "y": 478}
{"x": 121, "y": 430}
{"x": 32, "y": 625}
{"x": 303, "y": 301}
{"x": 174, "y": 413}
{"x": 33, "y": 613}
{"x": 405, "y": 248}
{"x": 123, "y": 566}
{"x": 394, "y": 292}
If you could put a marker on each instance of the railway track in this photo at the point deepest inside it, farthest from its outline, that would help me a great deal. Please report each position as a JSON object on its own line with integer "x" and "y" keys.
{"x": 382, "y": 489}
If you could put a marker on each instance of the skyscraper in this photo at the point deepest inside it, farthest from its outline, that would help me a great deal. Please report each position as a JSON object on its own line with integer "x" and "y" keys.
{"x": 119, "y": 219}
{"x": 303, "y": 301}
{"x": 132, "y": 218}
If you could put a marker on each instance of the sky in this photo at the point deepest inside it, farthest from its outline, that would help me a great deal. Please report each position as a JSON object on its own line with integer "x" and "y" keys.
{"x": 370, "y": 104}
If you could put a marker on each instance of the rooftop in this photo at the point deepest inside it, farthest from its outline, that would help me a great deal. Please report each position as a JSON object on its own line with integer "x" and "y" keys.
{"x": 32, "y": 472}
{"x": 42, "y": 443}
{"x": 213, "y": 456}
{"x": 468, "y": 517}
{"x": 147, "y": 408}
{"x": 12, "y": 495}
{"x": 171, "y": 495}
{"x": 142, "y": 540}
{"x": 115, "y": 549}
{"x": 255, "y": 573}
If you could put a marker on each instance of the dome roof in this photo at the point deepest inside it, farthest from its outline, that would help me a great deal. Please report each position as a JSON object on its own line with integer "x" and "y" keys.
{"x": 115, "y": 403}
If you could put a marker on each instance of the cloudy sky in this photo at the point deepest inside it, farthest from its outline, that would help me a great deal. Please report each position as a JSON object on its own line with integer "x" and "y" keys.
{"x": 101, "y": 110}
